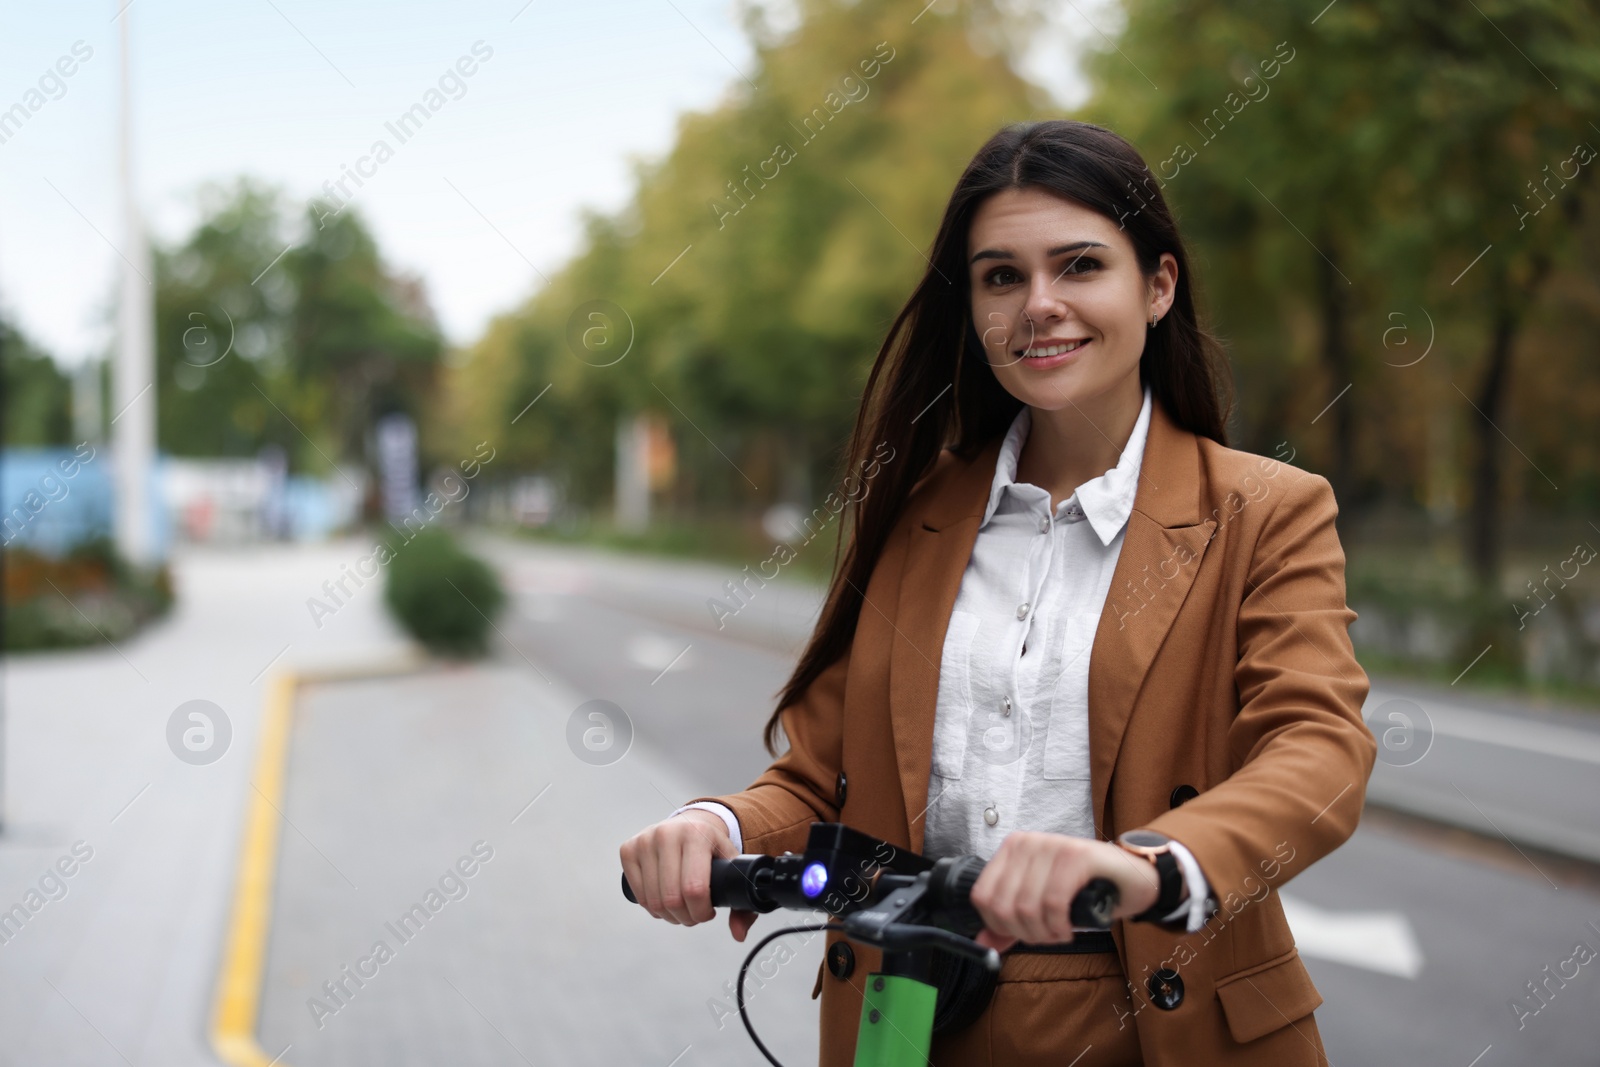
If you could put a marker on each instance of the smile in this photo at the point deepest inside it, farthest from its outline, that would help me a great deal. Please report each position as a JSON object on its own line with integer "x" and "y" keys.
{"x": 1046, "y": 351}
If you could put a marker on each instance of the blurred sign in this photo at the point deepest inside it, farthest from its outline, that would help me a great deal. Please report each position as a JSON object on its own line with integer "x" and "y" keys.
{"x": 647, "y": 461}
{"x": 397, "y": 465}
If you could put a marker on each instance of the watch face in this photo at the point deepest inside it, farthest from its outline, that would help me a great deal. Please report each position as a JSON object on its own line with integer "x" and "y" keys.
{"x": 1145, "y": 839}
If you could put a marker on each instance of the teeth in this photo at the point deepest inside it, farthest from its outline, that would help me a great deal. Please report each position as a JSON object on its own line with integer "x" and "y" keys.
{"x": 1054, "y": 350}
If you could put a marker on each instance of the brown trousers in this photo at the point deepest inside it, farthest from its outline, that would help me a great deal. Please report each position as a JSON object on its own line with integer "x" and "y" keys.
{"x": 1050, "y": 1009}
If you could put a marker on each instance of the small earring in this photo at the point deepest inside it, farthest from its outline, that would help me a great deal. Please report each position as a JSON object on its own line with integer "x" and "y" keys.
{"x": 1152, "y": 321}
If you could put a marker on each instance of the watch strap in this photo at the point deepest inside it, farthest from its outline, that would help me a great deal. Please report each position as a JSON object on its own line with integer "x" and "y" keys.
{"x": 1171, "y": 891}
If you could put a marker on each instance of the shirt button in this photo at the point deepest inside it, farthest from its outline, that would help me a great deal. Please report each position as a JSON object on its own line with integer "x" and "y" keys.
{"x": 1005, "y": 705}
{"x": 1022, "y": 611}
{"x": 990, "y": 815}
{"x": 1044, "y": 524}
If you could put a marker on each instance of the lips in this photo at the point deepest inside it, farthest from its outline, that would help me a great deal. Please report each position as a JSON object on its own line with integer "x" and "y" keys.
{"x": 1047, "y": 349}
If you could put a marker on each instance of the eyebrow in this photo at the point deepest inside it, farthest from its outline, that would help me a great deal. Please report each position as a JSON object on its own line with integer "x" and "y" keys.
{"x": 1000, "y": 253}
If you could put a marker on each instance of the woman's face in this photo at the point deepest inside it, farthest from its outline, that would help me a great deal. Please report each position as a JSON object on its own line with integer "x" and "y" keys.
{"x": 1058, "y": 299}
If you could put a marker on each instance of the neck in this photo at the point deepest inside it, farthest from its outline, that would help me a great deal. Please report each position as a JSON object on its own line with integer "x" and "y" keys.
{"x": 1078, "y": 442}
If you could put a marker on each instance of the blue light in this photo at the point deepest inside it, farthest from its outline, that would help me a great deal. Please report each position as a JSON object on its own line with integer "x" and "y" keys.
{"x": 814, "y": 879}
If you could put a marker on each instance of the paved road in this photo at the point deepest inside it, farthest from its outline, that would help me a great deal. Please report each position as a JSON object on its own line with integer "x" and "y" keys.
{"x": 391, "y": 782}
{"x": 461, "y": 783}
{"x": 1532, "y": 775}
{"x": 1418, "y": 939}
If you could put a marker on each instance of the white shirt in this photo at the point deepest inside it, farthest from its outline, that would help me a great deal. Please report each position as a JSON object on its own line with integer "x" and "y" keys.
{"x": 1011, "y": 726}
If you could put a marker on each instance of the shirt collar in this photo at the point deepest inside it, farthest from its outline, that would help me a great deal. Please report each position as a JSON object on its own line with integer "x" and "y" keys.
{"x": 1107, "y": 501}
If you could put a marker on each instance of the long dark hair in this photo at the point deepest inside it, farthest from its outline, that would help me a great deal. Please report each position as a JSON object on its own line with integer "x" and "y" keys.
{"x": 933, "y": 348}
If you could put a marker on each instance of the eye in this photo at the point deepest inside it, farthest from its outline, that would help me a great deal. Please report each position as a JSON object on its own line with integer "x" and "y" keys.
{"x": 1081, "y": 265}
{"x": 1003, "y": 276}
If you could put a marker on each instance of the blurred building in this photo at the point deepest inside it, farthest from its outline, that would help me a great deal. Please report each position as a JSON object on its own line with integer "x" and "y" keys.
{"x": 54, "y": 498}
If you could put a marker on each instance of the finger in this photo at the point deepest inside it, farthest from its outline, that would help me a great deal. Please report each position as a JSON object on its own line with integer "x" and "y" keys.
{"x": 633, "y": 872}
{"x": 697, "y": 879}
{"x": 671, "y": 879}
{"x": 995, "y": 891}
{"x": 1063, "y": 881}
{"x": 1032, "y": 882}
{"x": 638, "y": 862}
{"x": 739, "y": 922}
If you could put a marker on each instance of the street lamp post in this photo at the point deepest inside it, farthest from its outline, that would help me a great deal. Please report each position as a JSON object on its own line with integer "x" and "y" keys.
{"x": 133, "y": 426}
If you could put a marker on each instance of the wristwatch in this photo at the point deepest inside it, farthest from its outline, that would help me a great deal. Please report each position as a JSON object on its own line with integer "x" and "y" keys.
{"x": 1157, "y": 848}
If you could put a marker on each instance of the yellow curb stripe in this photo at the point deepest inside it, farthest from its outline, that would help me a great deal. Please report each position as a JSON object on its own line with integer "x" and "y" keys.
{"x": 237, "y": 1007}
{"x": 238, "y": 1001}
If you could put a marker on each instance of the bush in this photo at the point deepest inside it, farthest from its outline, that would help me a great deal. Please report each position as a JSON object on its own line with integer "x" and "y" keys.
{"x": 90, "y": 596}
{"x": 443, "y": 597}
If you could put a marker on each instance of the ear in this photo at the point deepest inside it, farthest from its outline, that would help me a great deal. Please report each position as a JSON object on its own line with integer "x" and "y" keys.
{"x": 1164, "y": 285}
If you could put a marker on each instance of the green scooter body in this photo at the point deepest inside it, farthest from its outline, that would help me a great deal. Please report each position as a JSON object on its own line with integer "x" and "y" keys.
{"x": 896, "y": 1022}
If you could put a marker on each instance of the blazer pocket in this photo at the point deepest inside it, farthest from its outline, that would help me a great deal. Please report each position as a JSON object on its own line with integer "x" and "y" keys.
{"x": 955, "y": 695}
{"x": 1260, "y": 999}
{"x": 1066, "y": 741}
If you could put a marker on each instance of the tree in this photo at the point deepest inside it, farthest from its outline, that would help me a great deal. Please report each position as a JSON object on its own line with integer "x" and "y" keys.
{"x": 1366, "y": 175}
{"x": 38, "y": 396}
{"x": 284, "y": 330}
{"x": 760, "y": 261}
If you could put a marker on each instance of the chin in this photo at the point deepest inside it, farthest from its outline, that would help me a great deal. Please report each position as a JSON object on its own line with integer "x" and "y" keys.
{"x": 1064, "y": 387}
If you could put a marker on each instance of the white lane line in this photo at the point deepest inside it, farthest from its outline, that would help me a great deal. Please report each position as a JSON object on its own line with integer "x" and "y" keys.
{"x": 1381, "y": 941}
{"x": 1528, "y": 735}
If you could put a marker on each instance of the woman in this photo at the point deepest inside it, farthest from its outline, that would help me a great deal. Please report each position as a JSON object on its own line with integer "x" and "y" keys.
{"x": 1068, "y": 612}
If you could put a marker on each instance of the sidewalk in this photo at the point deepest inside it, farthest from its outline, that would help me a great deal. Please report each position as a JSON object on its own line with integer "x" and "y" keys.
{"x": 120, "y": 969}
{"x": 391, "y": 783}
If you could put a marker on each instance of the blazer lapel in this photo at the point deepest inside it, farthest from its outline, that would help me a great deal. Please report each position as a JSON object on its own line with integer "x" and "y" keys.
{"x": 942, "y": 536}
{"x": 1160, "y": 556}
{"x": 1161, "y": 553}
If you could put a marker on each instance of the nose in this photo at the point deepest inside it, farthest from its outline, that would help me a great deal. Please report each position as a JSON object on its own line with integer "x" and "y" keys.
{"x": 1043, "y": 304}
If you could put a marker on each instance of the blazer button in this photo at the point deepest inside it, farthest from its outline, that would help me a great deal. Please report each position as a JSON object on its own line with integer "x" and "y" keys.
{"x": 841, "y": 789}
{"x": 841, "y": 959}
{"x": 1166, "y": 989}
{"x": 1184, "y": 793}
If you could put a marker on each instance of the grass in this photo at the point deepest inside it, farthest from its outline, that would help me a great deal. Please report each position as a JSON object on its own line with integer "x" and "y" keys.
{"x": 735, "y": 542}
{"x": 1481, "y": 679}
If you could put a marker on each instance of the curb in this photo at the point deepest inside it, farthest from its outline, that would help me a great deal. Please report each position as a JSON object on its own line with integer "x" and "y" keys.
{"x": 237, "y": 998}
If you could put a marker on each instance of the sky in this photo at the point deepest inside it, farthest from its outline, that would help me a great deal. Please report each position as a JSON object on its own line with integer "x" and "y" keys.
{"x": 563, "y": 99}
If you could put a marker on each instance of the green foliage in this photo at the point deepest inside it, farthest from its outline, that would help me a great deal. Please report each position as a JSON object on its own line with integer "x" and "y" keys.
{"x": 1360, "y": 183}
{"x": 303, "y": 348}
{"x": 443, "y": 596}
{"x": 1412, "y": 181}
{"x": 759, "y": 263}
{"x": 38, "y": 396}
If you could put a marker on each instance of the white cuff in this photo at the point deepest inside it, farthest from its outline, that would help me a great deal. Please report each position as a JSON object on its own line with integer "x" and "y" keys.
{"x": 732, "y": 821}
{"x": 1199, "y": 889}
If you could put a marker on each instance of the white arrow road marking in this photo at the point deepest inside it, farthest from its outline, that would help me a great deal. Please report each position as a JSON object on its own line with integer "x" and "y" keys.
{"x": 1380, "y": 941}
{"x": 655, "y": 652}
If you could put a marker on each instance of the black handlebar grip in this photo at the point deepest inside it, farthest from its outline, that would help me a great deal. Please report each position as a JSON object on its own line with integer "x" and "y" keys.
{"x": 733, "y": 884}
{"x": 719, "y": 871}
{"x": 952, "y": 882}
{"x": 1093, "y": 906}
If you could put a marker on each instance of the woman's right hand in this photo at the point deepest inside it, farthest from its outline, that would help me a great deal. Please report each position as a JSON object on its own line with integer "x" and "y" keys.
{"x": 669, "y": 867}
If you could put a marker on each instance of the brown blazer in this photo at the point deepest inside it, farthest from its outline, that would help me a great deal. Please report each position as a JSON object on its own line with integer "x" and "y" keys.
{"x": 1222, "y": 662}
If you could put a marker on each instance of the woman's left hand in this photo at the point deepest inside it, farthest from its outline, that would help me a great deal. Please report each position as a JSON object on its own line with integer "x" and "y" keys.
{"x": 1025, "y": 892}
